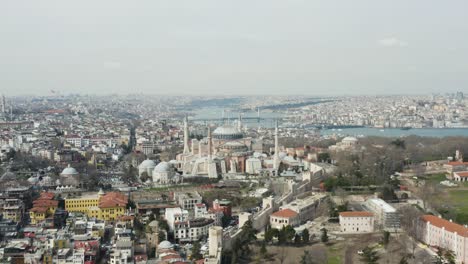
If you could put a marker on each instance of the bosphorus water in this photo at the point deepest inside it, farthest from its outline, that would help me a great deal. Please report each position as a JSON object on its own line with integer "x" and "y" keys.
{"x": 396, "y": 132}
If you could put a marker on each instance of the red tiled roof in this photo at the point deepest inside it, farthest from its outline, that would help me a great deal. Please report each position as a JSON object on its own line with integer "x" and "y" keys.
{"x": 456, "y": 163}
{"x": 39, "y": 209}
{"x": 46, "y": 196}
{"x": 113, "y": 199}
{"x": 449, "y": 226}
{"x": 126, "y": 218}
{"x": 285, "y": 213}
{"x": 462, "y": 173}
{"x": 45, "y": 203}
{"x": 356, "y": 214}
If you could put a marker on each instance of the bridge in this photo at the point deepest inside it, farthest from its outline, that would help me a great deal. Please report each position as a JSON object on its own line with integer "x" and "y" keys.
{"x": 247, "y": 119}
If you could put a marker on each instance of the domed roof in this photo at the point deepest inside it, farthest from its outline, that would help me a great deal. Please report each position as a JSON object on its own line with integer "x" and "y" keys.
{"x": 282, "y": 155}
{"x": 69, "y": 171}
{"x": 47, "y": 180}
{"x": 8, "y": 176}
{"x": 6, "y": 147}
{"x": 147, "y": 164}
{"x": 33, "y": 180}
{"x": 227, "y": 132}
{"x": 165, "y": 245}
{"x": 234, "y": 145}
{"x": 162, "y": 167}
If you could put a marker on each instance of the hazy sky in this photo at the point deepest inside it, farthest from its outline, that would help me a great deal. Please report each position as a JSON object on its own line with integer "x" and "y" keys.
{"x": 238, "y": 47}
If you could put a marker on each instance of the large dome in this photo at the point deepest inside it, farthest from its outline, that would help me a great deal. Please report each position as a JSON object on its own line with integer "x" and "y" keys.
{"x": 165, "y": 245}
{"x": 69, "y": 171}
{"x": 162, "y": 167}
{"x": 147, "y": 164}
{"x": 227, "y": 132}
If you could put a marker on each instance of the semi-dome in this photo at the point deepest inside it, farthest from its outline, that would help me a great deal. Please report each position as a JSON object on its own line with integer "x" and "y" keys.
{"x": 162, "y": 167}
{"x": 147, "y": 164}
{"x": 8, "y": 176}
{"x": 227, "y": 132}
{"x": 69, "y": 171}
{"x": 234, "y": 146}
{"x": 165, "y": 245}
{"x": 33, "y": 180}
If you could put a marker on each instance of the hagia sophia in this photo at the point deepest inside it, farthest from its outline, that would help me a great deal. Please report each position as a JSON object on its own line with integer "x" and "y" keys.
{"x": 225, "y": 150}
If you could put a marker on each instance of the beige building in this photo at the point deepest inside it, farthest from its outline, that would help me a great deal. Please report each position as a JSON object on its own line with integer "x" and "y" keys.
{"x": 438, "y": 232}
{"x": 356, "y": 222}
{"x": 284, "y": 217}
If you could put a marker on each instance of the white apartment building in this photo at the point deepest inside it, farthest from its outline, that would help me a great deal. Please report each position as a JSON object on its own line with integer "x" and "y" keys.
{"x": 173, "y": 215}
{"x": 187, "y": 200}
{"x": 192, "y": 230}
{"x": 438, "y": 232}
{"x": 385, "y": 215}
{"x": 356, "y": 222}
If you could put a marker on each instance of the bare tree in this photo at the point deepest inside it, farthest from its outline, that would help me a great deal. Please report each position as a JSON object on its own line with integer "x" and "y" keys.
{"x": 409, "y": 217}
{"x": 282, "y": 255}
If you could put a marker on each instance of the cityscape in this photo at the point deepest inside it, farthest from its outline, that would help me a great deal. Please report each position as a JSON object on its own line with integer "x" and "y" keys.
{"x": 85, "y": 179}
{"x": 233, "y": 132}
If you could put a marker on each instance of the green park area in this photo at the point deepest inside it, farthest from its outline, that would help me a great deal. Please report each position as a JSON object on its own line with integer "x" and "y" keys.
{"x": 451, "y": 202}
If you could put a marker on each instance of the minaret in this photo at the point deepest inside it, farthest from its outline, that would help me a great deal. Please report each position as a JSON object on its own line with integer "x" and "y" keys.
{"x": 239, "y": 123}
{"x": 276, "y": 159}
{"x": 200, "y": 149}
{"x": 209, "y": 144}
{"x": 186, "y": 136}
{"x": 3, "y": 104}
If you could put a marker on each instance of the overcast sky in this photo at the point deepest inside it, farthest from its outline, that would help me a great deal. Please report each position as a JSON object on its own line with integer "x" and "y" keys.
{"x": 237, "y": 47}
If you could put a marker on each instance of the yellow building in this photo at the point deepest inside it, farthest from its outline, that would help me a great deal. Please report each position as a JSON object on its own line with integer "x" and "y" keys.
{"x": 37, "y": 215}
{"x": 43, "y": 207}
{"x": 101, "y": 206}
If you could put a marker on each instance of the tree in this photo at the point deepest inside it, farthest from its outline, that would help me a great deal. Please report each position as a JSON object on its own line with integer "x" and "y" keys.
{"x": 270, "y": 234}
{"x": 369, "y": 256}
{"x": 305, "y": 236}
{"x": 409, "y": 222}
{"x": 196, "y": 255}
{"x": 386, "y": 238}
{"x": 324, "y": 237}
{"x": 439, "y": 258}
{"x": 403, "y": 260}
{"x": 282, "y": 255}
{"x": 398, "y": 143}
{"x": 144, "y": 176}
{"x": 449, "y": 257}
{"x": 297, "y": 239}
{"x": 306, "y": 258}
{"x": 163, "y": 225}
{"x": 248, "y": 232}
{"x": 225, "y": 220}
{"x": 263, "y": 250}
{"x": 289, "y": 232}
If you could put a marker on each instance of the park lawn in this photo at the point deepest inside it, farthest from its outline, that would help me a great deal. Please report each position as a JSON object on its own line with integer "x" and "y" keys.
{"x": 334, "y": 254}
{"x": 436, "y": 178}
{"x": 459, "y": 198}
